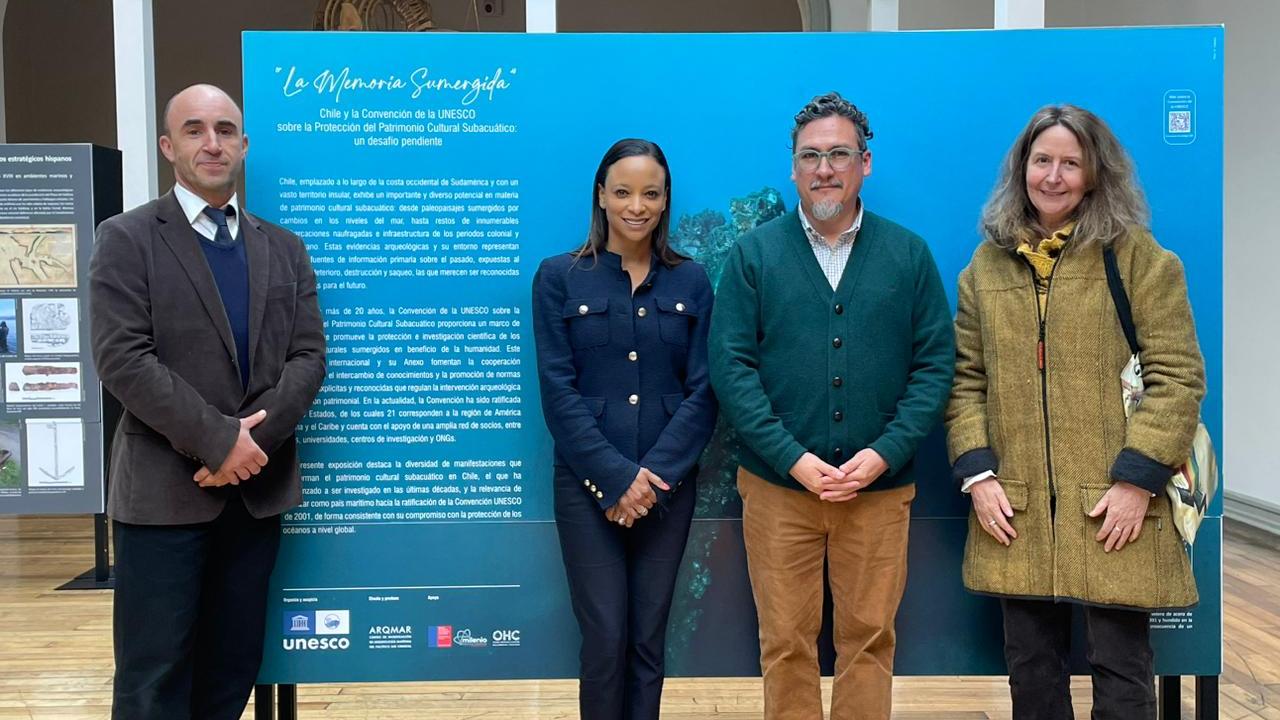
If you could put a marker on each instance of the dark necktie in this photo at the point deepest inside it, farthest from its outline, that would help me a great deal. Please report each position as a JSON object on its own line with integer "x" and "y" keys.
{"x": 219, "y": 217}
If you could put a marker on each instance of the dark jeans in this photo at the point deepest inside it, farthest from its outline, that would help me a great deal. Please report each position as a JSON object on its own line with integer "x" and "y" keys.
{"x": 190, "y": 614}
{"x": 621, "y": 581}
{"x": 1037, "y": 640}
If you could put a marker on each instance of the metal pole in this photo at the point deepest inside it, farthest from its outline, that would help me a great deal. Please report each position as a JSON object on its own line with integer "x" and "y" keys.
{"x": 101, "y": 549}
{"x": 288, "y": 702}
{"x": 1206, "y": 697}
{"x": 264, "y": 702}
{"x": 1170, "y": 697}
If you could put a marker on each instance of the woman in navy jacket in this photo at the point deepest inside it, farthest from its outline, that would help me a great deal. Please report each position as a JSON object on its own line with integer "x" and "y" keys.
{"x": 621, "y": 329}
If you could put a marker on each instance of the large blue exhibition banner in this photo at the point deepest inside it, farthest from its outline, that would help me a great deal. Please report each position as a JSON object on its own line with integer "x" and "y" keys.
{"x": 430, "y": 173}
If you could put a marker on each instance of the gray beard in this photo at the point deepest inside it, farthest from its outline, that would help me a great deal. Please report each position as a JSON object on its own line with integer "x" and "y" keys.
{"x": 824, "y": 210}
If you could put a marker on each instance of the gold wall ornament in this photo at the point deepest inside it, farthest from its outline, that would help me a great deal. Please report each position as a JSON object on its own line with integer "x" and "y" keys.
{"x": 411, "y": 15}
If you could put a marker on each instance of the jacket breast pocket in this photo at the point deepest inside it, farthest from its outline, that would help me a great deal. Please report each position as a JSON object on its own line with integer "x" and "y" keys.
{"x": 675, "y": 319}
{"x": 588, "y": 321}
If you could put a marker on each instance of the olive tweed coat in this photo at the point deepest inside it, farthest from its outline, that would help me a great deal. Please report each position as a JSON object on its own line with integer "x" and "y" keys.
{"x": 1058, "y": 438}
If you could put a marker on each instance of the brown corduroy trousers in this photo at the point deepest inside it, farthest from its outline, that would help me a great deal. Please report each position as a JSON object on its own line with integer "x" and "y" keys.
{"x": 788, "y": 534}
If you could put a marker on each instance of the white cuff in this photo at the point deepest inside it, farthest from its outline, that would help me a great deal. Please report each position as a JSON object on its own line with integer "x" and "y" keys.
{"x": 974, "y": 480}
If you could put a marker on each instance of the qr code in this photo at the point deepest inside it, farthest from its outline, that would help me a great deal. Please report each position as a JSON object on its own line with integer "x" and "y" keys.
{"x": 1180, "y": 121}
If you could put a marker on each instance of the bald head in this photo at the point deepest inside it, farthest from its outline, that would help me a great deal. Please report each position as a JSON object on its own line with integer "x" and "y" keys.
{"x": 204, "y": 139}
{"x": 198, "y": 93}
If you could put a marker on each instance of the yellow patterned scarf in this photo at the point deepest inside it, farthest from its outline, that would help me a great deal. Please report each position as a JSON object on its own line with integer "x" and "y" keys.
{"x": 1044, "y": 255}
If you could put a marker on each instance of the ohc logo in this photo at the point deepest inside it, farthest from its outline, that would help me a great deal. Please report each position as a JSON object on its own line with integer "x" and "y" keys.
{"x": 506, "y": 638}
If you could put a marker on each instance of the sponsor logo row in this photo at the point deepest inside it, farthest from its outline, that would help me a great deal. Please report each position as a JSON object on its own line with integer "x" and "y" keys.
{"x": 331, "y": 630}
{"x": 445, "y": 636}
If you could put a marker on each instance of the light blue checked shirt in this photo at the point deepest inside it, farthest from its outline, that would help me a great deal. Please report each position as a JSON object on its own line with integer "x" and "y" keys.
{"x": 832, "y": 259}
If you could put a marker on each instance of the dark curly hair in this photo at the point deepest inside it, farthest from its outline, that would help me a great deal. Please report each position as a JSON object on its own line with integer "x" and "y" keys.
{"x": 833, "y": 104}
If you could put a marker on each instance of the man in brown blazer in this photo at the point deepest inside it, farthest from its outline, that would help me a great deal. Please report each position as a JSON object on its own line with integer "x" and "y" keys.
{"x": 206, "y": 327}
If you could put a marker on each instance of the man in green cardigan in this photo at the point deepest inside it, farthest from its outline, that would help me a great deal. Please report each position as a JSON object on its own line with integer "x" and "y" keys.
{"x": 832, "y": 355}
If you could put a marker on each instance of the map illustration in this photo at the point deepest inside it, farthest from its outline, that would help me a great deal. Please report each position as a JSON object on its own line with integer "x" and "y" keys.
{"x": 34, "y": 256}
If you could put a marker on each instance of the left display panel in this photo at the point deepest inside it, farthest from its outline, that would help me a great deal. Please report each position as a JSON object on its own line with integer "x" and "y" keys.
{"x": 52, "y": 198}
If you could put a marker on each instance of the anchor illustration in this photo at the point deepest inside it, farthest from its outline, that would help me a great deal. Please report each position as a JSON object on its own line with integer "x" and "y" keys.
{"x": 57, "y": 474}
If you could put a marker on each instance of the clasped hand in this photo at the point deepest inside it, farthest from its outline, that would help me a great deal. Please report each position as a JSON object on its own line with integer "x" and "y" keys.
{"x": 838, "y": 484}
{"x": 243, "y": 462}
{"x": 638, "y": 500}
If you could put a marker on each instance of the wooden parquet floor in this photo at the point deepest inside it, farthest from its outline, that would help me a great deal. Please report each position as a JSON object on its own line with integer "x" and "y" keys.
{"x": 55, "y": 653}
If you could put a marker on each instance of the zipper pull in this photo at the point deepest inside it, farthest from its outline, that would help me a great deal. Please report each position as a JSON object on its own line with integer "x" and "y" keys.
{"x": 1040, "y": 350}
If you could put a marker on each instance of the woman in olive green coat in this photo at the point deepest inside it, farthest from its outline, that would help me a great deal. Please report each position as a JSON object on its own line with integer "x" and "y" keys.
{"x": 1068, "y": 500}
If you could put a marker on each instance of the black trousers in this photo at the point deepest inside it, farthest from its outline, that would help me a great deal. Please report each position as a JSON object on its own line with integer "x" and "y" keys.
{"x": 190, "y": 614}
{"x": 621, "y": 581}
{"x": 1037, "y": 640}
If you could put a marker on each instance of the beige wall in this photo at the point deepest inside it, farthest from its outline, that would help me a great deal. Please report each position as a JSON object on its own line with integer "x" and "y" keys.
{"x": 59, "y": 72}
{"x": 677, "y": 16}
{"x": 945, "y": 14}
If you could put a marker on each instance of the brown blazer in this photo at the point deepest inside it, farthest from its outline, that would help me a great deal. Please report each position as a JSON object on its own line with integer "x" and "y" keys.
{"x": 163, "y": 346}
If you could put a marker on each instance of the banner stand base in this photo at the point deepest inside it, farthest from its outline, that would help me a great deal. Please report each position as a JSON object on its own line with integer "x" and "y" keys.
{"x": 1170, "y": 697}
{"x": 266, "y": 702}
{"x": 90, "y": 580}
{"x": 99, "y": 578}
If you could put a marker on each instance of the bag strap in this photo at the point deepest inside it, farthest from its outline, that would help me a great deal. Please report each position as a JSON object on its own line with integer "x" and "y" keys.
{"x": 1120, "y": 298}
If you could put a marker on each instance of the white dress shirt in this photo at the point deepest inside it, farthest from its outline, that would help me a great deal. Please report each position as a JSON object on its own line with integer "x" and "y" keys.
{"x": 193, "y": 206}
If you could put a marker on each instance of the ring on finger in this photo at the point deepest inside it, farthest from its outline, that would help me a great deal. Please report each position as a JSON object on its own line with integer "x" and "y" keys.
{"x": 1115, "y": 529}
{"x": 992, "y": 522}
{"x": 622, "y": 521}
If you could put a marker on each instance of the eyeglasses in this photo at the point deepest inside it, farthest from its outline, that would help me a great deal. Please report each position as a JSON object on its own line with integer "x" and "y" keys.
{"x": 840, "y": 158}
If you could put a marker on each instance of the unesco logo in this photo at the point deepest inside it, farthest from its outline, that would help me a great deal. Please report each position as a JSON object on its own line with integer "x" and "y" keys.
{"x": 297, "y": 623}
{"x": 314, "y": 643}
{"x": 317, "y": 630}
